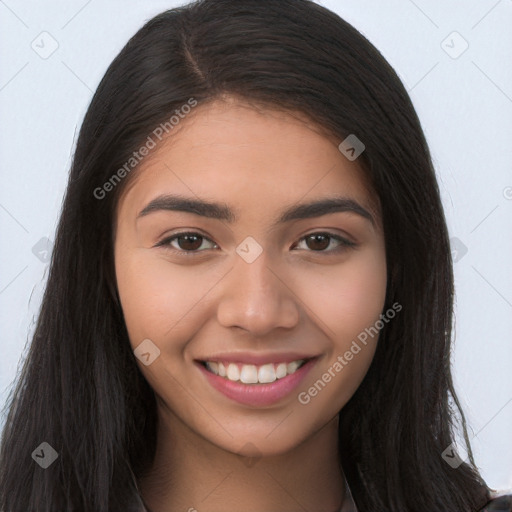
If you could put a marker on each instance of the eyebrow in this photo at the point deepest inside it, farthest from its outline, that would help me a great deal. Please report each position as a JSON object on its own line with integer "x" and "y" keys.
{"x": 223, "y": 212}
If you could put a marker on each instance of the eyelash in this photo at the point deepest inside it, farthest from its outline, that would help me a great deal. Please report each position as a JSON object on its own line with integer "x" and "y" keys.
{"x": 344, "y": 243}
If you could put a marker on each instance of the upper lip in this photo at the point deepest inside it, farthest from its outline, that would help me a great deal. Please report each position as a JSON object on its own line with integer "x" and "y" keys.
{"x": 257, "y": 359}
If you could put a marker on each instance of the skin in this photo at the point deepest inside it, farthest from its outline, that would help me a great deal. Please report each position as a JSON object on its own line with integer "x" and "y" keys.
{"x": 296, "y": 296}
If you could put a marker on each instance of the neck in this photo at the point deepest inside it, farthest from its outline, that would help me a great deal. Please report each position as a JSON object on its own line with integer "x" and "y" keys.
{"x": 189, "y": 473}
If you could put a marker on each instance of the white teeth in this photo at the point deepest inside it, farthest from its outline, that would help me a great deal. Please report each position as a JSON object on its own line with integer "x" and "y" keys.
{"x": 252, "y": 374}
{"x": 249, "y": 374}
{"x": 266, "y": 374}
{"x": 233, "y": 373}
{"x": 292, "y": 366}
{"x": 281, "y": 370}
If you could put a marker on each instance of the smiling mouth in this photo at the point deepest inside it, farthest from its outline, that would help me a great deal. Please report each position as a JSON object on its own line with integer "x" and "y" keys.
{"x": 253, "y": 374}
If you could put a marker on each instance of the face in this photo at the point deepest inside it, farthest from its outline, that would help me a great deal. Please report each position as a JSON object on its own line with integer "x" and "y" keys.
{"x": 246, "y": 315}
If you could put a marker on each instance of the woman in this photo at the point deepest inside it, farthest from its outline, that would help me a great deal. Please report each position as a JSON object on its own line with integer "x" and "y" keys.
{"x": 251, "y": 285}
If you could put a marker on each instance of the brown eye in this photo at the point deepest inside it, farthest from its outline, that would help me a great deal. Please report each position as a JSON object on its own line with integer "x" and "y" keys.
{"x": 319, "y": 242}
{"x": 185, "y": 242}
{"x": 189, "y": 242}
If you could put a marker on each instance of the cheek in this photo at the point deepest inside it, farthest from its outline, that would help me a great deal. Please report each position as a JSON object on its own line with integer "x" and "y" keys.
{"x": 156, "y": 296}
{"x": 348, "y": 298}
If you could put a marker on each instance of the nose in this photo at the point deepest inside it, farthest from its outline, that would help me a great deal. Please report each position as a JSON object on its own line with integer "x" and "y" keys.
{"x": 256, "y": 298}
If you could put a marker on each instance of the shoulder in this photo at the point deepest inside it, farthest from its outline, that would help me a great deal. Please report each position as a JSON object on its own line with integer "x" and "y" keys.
{"x": 499, "y": 504}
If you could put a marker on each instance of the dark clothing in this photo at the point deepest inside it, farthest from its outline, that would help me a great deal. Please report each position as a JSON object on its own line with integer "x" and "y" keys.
{"x": 499, "y": 504}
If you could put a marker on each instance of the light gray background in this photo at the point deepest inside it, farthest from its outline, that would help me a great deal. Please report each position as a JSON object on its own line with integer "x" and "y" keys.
{"x": 464, "y": 101}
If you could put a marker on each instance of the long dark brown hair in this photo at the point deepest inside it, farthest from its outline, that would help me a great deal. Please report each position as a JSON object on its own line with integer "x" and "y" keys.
{"x": 80, "y": 389}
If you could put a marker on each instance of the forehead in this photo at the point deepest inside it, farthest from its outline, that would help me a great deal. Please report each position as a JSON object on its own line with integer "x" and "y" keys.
{"x": 254, "y": 159}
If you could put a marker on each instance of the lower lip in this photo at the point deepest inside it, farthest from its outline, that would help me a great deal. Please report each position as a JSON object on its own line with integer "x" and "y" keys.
{"x": 258, "y": 394}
